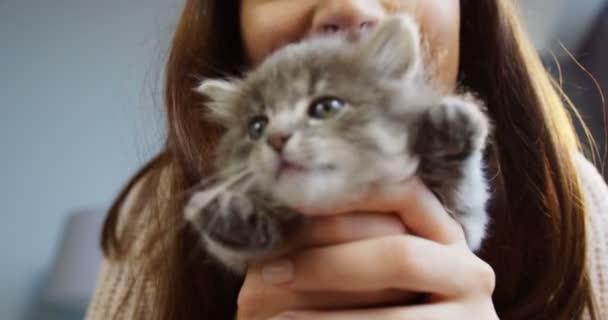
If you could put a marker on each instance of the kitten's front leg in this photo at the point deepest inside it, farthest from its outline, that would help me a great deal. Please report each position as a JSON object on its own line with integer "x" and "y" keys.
{"x": 453, "y": 130}
{"x": 236, "y": 228}
{"x": 450, "y": 142}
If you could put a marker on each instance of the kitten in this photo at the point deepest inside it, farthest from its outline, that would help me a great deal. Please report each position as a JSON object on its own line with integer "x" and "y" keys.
{"x": 320, "y": 122}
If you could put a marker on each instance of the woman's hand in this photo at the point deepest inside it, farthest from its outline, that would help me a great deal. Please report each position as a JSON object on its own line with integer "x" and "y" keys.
{"x": 366, "y": 266}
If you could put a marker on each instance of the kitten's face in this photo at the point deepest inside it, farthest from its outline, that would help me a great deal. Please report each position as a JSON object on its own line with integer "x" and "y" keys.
{"x": 317, "y": 120}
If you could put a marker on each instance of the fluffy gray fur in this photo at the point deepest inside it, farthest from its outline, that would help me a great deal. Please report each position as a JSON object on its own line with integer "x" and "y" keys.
{"x": 335, "y": 115}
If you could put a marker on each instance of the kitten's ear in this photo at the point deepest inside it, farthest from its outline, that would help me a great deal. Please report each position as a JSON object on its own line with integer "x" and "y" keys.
{"x": 217, "y": 90}
{"x": 393, "y": 46}
{"x": 221, "y": 95}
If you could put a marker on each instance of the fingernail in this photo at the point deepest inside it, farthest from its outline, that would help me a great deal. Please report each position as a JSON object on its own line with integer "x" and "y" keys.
{"x": 278, "y": 272}
{"x": 284, "y": 316}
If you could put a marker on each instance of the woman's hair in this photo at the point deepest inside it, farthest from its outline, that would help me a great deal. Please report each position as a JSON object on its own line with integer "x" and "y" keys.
{"x": 537, "y": 244}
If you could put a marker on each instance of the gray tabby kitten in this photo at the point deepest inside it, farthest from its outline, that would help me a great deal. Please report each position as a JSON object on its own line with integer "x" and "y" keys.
{"x": 320, "y": 122}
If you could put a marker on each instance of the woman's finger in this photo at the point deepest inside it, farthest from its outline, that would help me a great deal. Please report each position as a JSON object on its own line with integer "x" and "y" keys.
{"x": 342, "y": 228}
{"x": 443, "y": 311}
{"x": 402, "y": 262}
{"x": 258, "y": 300}
{"x": 423, "y": 214}
{"x": 348, "y": 227}
{"x": 418, "y": 208}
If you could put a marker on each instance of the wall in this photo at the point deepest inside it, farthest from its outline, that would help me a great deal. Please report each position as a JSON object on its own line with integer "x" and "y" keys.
{"x": 550, "y": 22}
{"x": 78, "y": 114}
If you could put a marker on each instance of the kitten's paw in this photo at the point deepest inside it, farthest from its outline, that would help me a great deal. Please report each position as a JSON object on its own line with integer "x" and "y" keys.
{"x": 239, "y": 225}
{"x": 235, "y": 231}
{"x": 453, "y": 130}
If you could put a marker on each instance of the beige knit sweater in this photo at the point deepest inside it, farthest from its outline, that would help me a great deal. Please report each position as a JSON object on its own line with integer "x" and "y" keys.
{"x": 112, "y": 280}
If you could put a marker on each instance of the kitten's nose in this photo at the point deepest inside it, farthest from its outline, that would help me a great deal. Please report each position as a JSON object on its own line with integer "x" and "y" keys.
{"x": 278, "y": 141}
{"x": 346, "y": 15}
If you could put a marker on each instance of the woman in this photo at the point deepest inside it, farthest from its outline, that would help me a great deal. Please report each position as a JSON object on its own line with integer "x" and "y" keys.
{"x": 541, "y": 260}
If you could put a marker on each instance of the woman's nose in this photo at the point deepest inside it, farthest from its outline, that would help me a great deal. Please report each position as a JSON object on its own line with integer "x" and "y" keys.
{"x": 346, "y": 15}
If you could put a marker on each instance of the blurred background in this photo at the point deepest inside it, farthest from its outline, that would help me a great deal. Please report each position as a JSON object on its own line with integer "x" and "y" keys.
{"x": 80, "y": 99}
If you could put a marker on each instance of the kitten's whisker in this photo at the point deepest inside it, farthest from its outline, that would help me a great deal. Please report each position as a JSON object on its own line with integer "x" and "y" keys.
{"x": 207, "y": 182}
{"x": 247, "y": 184}
{"x": 201, "y": 199}
{"x": 237, "y": 177}
{"x": 217, "y": 175}
{"x": 223, "y": 173}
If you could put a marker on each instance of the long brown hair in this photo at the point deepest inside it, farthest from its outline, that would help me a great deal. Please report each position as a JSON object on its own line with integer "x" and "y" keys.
{"x": 537, "y": 245}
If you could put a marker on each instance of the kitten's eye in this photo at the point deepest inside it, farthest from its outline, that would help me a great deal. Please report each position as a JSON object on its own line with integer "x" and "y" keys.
{"x": 325, "y": 108}
{"x": 257, "y": 125}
